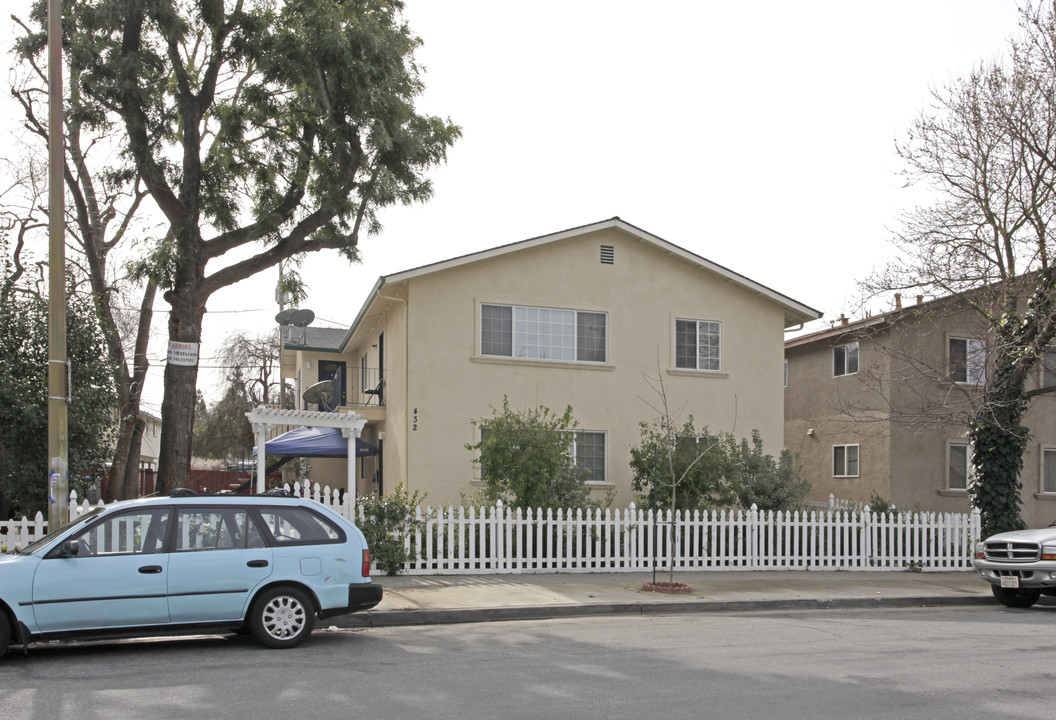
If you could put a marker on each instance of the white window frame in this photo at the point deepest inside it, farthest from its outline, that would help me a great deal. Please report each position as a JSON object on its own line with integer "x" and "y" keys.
{"x": 1048, "y": 452}
{"x": 845, "y": 369}
{"x": 604, "y": 452}
{"x": 697, "y": 336}
{"x": 974, "y": 360}
{"x": 846, "y": 464}
{"x": 523, "y": 341}
{"x": 969, "y": 470}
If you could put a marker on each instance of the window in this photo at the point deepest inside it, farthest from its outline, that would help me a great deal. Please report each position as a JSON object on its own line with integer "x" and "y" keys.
{"x": 1048, "y": 470}
{"x": 698, "y": 345}
{"x": 543, "y": 333}
{"x": 131, "y": 533}
{"x": 588, "y": 449}
{"x": 845, "y": 359}
{"x": 220, "y": 529}
{"x": 845, "y": 461}
{"x": 300, "y": 526}
{"x": 959, "y": 466}
{"x": 1048, "y": 369}
{"x": 967, "y": 360}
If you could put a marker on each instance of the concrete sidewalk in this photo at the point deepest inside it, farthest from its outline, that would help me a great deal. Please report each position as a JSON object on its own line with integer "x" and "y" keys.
{"x": 433, "y": 599}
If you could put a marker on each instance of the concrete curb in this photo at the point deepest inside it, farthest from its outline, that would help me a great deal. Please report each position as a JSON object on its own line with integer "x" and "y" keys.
{"x": 399, "y": 618}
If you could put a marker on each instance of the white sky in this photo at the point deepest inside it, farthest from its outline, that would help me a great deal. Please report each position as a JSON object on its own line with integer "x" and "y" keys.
{"x": 758, "y": 134}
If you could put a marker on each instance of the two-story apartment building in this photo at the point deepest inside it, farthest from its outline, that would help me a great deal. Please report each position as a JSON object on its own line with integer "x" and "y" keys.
{"x": 578, "y": 318}
{"x": 880, "y": 404}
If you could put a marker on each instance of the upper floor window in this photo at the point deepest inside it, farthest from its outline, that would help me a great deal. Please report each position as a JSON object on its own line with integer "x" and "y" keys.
{"x": 1048, "y": 470}
{"x": 698, "y": 344}
{"x": 1048, "y": 369}
{"x": 959, "y": 466}
{"x": 845, "y": 359}
{"x": 543, "y": 333}
{"x": 967, "y": 360}
{"x": 845, "y": 461}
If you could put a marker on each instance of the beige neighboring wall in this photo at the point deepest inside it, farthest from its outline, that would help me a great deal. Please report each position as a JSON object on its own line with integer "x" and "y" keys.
{"x": 895, "y": 406}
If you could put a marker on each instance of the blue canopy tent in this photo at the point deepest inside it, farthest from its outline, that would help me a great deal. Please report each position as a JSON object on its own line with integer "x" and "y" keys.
{"x": 315, "y": 442}
{"x": 321, "y": 434}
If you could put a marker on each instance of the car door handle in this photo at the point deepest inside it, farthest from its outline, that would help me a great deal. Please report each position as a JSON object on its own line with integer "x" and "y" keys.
{"x": 150, "y": 569}
{"x": 257, "y": 563}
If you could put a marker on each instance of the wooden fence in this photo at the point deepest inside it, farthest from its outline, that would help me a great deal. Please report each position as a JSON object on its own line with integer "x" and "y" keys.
{"x": 498, "y": 539}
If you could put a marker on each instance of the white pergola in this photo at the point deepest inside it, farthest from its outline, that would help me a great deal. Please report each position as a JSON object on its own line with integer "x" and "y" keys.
{"x": 350, "y": 423}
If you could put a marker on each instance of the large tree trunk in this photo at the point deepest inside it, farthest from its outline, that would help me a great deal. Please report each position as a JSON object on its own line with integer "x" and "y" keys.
{"x": 181, "y": 382}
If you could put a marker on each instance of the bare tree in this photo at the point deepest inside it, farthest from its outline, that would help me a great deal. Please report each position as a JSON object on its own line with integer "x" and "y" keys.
{"x": 106, "y": 202}
{"x": 985, "y": 148}
{"x": 665, "y": 431}
{"x": 255, "y": 359}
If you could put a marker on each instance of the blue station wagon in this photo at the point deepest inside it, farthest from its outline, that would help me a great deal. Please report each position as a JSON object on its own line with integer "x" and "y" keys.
{"x": 179, "y": 565}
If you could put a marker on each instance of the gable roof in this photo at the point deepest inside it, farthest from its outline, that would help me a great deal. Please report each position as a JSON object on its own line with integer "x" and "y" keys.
{"x": 796, "y": 313}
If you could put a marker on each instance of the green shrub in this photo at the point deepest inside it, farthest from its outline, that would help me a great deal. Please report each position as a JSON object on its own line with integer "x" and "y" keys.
{"x": 389, "y": 525}
{"x": 526, "y": 460}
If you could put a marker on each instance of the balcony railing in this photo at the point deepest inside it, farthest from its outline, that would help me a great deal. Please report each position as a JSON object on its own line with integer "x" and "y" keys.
{"x": 365, "y": 387}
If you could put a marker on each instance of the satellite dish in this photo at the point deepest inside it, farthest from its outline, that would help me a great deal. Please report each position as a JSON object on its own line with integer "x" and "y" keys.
{"x": 283, "y": 318}
{"x": 301, "y": 318}
{"x": 319, "y": 394}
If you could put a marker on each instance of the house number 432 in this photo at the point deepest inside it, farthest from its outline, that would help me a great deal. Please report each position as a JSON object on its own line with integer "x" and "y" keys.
{"x": 414, "y": 420}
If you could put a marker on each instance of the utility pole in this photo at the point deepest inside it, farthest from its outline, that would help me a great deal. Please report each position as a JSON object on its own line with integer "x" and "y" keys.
{"x": 58, "y": 367}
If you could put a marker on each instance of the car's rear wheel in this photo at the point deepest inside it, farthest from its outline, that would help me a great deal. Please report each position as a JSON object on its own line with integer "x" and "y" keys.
{"x": 1015, "y": 598}
{"x": 282, "y": 617}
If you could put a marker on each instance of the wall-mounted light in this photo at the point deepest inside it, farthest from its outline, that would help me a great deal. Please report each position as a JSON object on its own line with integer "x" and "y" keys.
{"x": 810, "y": 432}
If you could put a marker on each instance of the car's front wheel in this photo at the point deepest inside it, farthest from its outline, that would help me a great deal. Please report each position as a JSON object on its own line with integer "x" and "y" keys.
{"x": 1015, "y": 598}
{"x": 282, "y": 617}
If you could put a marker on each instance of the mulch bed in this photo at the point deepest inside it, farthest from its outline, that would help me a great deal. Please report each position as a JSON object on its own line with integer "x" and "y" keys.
{"x": 666, "y": 587}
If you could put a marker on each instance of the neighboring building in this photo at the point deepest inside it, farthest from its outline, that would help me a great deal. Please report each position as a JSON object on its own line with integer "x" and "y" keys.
{"x": 878, "y": 406}
{"x": 575, "y": 318}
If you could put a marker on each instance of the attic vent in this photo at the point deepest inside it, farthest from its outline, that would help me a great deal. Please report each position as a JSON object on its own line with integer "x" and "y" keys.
{"x": 608, "y": 255}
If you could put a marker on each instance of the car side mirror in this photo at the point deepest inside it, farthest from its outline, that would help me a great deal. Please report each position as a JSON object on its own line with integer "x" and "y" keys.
{"x": 70, "y": 548}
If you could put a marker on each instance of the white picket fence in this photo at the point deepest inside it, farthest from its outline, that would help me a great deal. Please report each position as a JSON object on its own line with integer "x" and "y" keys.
{"x": 16, "y": 534}
{"x": 499, "y": 540}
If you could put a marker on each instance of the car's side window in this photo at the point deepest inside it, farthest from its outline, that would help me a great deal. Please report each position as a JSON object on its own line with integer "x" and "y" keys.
{"x": 299, "y": 526}
{"x": 216, "y": 529}
{"x": 138, "y": 532}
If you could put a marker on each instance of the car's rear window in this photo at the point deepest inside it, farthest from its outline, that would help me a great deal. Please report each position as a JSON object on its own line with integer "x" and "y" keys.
{"x": 298, "y": 526}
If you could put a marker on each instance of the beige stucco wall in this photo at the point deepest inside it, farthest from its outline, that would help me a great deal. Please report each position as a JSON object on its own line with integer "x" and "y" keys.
{"x": 450, "y": 384}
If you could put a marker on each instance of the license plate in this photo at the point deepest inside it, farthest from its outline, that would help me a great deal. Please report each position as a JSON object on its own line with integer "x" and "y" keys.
{"x": 1010, "y": 582}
